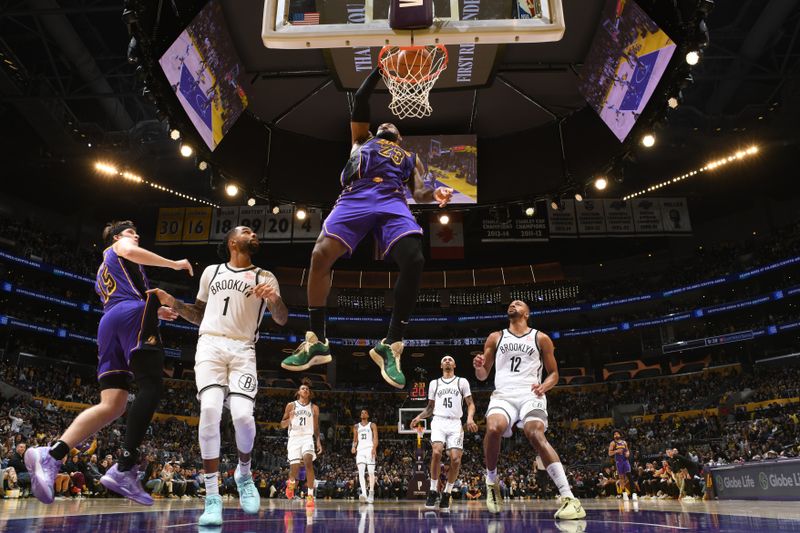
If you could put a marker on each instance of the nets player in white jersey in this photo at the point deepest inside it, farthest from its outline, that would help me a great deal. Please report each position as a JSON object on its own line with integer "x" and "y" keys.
{"x": 519, "y": 354}
{"x": 301, "y": 418}
{"x": 229, "y": 307}
{"x": 365, "y": 448}
{"x": 445, "y": 396}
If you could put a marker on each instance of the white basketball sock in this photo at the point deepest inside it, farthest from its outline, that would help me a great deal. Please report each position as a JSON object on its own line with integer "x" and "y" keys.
{"x": 212, "y": 484}
{"x": 559, "y": 477}
{"x": 491, "y": 476}
{"x": 434, "y": 484}
{"x": 448, "y": 488}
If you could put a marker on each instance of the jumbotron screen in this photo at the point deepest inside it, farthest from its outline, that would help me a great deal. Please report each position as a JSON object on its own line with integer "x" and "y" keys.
{"x": 203, "y": 68}
{"x": 628, "y": 56}
{"x": 449, "y": 161}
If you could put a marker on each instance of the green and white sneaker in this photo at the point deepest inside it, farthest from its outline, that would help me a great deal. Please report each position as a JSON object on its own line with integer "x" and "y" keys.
{"x": 387, "y": 357}
{"x": 310, "y": 352}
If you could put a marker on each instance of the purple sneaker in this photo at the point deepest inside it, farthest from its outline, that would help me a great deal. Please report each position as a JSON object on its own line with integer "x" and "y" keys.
{"x": 43, "y": 469}
{"x": 126, "y": 484}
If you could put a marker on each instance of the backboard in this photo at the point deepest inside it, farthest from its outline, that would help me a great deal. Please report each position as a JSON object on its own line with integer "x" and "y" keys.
{"x": 364, "y": 23}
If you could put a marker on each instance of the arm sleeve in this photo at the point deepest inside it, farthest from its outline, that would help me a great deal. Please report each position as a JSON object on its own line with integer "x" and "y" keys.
{"x": 205, "y": 281}
{"x": 361, "y": 99}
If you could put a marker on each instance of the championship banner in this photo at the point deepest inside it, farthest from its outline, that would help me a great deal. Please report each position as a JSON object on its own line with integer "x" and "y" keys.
{"x": 647, "y": 215}
{"x": 562, "y": 221}
{"x": 591, "y": 218}
{"x": 447, "y": 240}
{"x": 619, "y": 217}
{"x": 517, "y": 227}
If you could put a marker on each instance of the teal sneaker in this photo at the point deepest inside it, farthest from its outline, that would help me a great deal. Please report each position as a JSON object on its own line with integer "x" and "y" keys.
{"x": 249, "y": 499}
{"x": 310, "y": 352}
{"x": 387, "y": 357}
{"x": 212, "y": 516}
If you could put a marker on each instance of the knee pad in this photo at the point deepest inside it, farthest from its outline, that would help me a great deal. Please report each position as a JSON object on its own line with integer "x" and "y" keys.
{"x": 208, "y": 432}
{"x": 244, "y": 424}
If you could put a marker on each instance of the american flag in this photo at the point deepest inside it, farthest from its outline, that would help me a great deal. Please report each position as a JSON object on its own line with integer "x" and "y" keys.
{"x": 299, "y": 19}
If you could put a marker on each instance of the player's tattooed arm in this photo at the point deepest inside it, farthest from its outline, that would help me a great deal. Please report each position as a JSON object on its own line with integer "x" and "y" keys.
{"x": 428, "y": 411}
{"x": 269, "y": 291}
{"x": 191, "y": 312}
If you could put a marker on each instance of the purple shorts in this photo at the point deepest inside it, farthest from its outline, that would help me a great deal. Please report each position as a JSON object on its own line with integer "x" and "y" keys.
{"x": 128, "y": 326}
{"x": 366, "y": 207}
{"x": 623, "y": 467}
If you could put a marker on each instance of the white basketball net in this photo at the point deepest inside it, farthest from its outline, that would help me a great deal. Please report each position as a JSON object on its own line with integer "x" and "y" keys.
{"x": 411, "y": 89}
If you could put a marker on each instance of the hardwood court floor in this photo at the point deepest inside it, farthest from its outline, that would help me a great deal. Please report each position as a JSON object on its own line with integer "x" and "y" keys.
{"x": 116, "y": 515}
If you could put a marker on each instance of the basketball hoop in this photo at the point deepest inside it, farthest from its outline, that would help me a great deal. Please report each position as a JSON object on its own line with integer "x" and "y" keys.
{"x": 409, "y": 73}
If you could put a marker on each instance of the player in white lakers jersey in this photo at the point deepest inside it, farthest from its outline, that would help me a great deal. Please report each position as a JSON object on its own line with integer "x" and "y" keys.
{"x": 301, "y": 418}
{"x": 445, "y": 398}
{"x": 365, "y": 448}
{"x": 229, "y": 307}
{"x": 519, "y": 353}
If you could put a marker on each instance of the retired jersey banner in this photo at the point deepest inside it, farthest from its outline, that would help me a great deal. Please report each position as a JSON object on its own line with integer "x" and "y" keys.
{"x": 675, "y": 215}
{"x": 447, "y": 240}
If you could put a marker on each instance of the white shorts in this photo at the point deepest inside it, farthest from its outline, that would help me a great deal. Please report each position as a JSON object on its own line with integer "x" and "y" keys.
{"x": 519, "y": 406}
{"x": 298, "y": 447}
{"x": 448, "y": 431}
{"x": 226, "y": 363}
{"x": 364, "y": 457}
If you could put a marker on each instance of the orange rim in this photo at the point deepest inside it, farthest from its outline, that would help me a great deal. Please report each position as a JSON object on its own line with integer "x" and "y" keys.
{"x": 385, "y": 71}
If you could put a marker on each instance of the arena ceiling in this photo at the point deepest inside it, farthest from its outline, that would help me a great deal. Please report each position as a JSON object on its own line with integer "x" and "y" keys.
{"x": 66, "y": 82}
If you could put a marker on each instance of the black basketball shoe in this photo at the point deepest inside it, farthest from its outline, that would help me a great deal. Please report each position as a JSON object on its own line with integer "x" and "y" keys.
{"x": 444, "y": 503}
{"x": 430, "y": 503}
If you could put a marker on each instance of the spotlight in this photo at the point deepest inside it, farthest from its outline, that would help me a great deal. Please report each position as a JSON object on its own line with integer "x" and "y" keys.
{"x": 174, "y": 134}
{"x": 444, "y": 218}
{"x": 276, "y": 209}
{"x": 578, "y": 197}
{"x": 202, "y": 165}
{"x": 693, "y": 57}
{"x": 301, "y": 213}
{"x": 186, "y": 150}
{"x": 231, "y": 189}
{"x": 555, "y": 204}
{"x": 600, "y": 183}
{"x": 648, "y": 140}
{"x": 530, "y": 211}
{"x": 251, "y": 202}
{"x": 672, "y": 102}
{"x": 106, "y": 169}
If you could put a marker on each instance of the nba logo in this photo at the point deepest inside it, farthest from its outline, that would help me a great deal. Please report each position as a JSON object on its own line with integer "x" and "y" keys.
{"x": 249, "y": 276}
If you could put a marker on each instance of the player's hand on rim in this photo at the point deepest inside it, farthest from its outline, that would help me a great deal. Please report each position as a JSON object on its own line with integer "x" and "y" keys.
{"x": 183, "y": 264}
{"x": 443, "y": 195}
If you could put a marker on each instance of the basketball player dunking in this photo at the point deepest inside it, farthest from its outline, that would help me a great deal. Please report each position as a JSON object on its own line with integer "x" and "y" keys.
{"x": 301, "y": 418}
{"x": 130, "y": 349}
{"x": 520, "y": 353}
{"x": 618, "y": 449}
{"x": 445, "y": 396}
{"x": 372, "y": 201}
{"x": 229, "y": 307}
{"x": 365, "y": 448}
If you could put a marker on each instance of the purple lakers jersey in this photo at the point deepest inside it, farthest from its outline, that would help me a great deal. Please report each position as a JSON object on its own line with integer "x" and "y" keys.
{"x": 381, "y": 161}
{"x": 119, "y": 280}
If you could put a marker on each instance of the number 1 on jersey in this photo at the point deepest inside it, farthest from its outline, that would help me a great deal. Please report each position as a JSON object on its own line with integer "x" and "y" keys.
{"x": 225, "y": 310}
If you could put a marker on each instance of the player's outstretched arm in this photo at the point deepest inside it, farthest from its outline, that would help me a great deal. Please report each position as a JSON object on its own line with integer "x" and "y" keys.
{"x": 483, "y": 362}
{"x": 191, "y": 312}
{"x": 131, "y": 251}
{"x": 360, "y": 117}
{"x": 549, "y": 359}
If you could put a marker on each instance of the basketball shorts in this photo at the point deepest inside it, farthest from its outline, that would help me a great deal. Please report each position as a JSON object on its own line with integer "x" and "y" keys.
{"x": 623, "y": 466}
{"x": 300, "y": 446}
{"x": 448, "y": 431}
{"x": 125, "y": 328}
{"x": 519, "y": 406}
{"x": 366, "y": 207}
{"x": 364, "y": 457}
{"x": 226, "y": 363}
